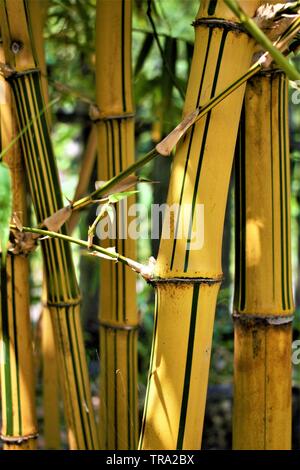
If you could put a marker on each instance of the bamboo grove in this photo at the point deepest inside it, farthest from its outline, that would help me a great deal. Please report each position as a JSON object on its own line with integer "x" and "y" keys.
{"x": 234, "y": 116}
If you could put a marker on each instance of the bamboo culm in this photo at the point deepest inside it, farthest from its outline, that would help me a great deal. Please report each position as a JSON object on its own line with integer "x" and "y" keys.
{"x": 263, "y": 287}
{"x": 19, "y": 424}
{"x": 62, "y": 290}
{"x": 188, "y": 276}
{"x": 118, "y": 310}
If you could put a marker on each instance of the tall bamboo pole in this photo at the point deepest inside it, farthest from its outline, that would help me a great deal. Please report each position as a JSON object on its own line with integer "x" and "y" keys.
{"x": 50, "y": 377}
{"x": 38, "y": 10}
{"x": 188, "y": 279}
{"x": 263, "y": 290}
{"x": 63, "y": 294}
{"x": 19, "y": 425}
{"x": 118, "y": 312}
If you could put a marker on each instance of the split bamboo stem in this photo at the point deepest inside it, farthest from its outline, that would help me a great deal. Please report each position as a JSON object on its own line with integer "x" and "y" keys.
{"x": 118, "y": 311}
{"x": 63, "y": 293}
{"x": 188, "y": 278}
{"x": 19, "y": 424}
{"x": 263, "y": 290}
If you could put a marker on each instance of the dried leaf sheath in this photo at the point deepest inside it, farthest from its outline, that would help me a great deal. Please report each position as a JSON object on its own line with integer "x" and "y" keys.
{"x": 19, "y": 426}
{"x": 263, "y": 290}
{"x": 63, "y": 295}
{"x": 118, "y": 312}
{"x": 188, "y": 280}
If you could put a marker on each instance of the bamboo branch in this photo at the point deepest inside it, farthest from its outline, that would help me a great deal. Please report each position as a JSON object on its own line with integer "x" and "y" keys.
{"x": 200, "y": 112}
{"x": 93, "y": 249}
{"x": 191, "y": 119}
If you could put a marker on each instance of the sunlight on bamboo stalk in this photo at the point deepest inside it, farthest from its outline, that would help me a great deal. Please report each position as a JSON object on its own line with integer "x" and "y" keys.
{"x": 263, "y": 291}
{"x": 200, "y": 174}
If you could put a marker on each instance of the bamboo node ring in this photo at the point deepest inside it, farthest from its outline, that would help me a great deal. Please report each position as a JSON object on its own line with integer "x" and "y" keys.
{"x": 69, "y": 303}
{"x": 220, "y": 23}
{"x": 97, "y": 116}
{"x": 186, "y": 280}
{"x": 111, "y": 326}
{"x": 14, "y": 75}
{"x": 18, "y": 439}
{"x": 274, "y": 320}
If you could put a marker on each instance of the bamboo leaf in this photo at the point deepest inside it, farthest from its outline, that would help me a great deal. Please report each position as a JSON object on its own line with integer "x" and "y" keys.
{"x": 5, "y": 208}
{"x": 117, "y": 197}
{"x": 120, "y": 186}
{"x": 110, "y": 212}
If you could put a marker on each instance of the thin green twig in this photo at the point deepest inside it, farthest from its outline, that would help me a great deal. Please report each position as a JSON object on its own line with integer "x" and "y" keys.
{"x": 47, "y": 233}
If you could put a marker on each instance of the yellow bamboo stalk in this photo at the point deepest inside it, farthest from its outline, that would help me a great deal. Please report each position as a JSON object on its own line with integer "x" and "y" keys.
{"x": 38, "y": 11}
{"x": 118, "y": 312}
{"x": 50, "y": 378}
{"x": 63, "y": 292}
{"x": 263, "y": 291}
{"x": 19, "y": 425}
{"x": 188, "y": 277}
